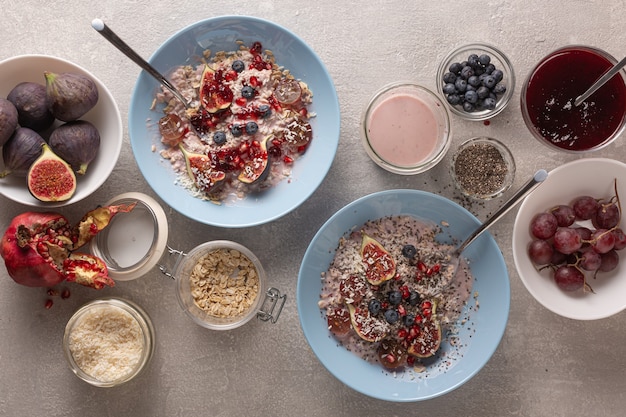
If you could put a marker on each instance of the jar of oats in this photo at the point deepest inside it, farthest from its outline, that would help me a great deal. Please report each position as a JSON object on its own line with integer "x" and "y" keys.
{"x": 222, "y": 285}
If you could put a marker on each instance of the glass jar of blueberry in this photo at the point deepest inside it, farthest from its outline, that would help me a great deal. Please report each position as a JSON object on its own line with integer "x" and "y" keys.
{"x": 476, "y": 80}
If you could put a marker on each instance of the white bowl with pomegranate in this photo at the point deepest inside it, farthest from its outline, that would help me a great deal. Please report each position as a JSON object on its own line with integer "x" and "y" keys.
{"x": 568, "y": 240}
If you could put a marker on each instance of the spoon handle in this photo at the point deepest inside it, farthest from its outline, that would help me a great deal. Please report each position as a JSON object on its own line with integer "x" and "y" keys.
{"x": 533, "y": 183}
{"x": 600, "y": 82}
{"x": 109, "y": 35}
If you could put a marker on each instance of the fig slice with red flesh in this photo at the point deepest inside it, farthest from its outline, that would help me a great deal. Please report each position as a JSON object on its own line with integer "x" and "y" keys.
{"x": 428, "y": 341}
{"x": 367, "y": 327}
{"x": 214, "y": 94}
{"x": 379, "y": 265}
{"x": 257, "y": 163}
{"x": 201, "y": 170}
{"x": 50, "y": 178}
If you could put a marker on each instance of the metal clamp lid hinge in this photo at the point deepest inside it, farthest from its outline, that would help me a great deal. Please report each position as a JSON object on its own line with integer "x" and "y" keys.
{"x": 273, "y": 301}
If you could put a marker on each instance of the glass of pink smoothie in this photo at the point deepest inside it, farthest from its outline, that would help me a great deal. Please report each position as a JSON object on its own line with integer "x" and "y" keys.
{"x": 406, "y": 128}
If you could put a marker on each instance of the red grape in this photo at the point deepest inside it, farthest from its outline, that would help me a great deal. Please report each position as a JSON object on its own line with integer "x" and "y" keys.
{"x": 590, "y": 260}
{"x": 602, "y": 240}
{"x": 584, "y": 207}
{"x": 606, "y": 217}
{"x": 609, "y": 261}
{"x": 569, "y": 278}
{"x": 565, "y": 215}
{"x": 540, "y": 252}
{"x": 543, "y": 225}
{"x": 620, "y": 239}
{"x": 567, "y": 240}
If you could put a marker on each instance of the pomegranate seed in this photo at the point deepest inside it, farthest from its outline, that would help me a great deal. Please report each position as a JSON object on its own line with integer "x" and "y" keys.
{"x": 410, "y": 360}
{"x": 427, "y": 305}
{"x": 419, "y": 318}
{"x": 397, "y": 277}
{"x": 401, "y": 310}
{"x": 429, "y": 271}
{"x": 436, "y": 268}
{"x": 303, "y": 112}
{"x": 384, "y": 305}
{"x": 254, "y": 81}
{"x": 241, "y": 101}
{"x": 427, "y": 313}
{"x": 276, "y": 142}
{"x": 288, "y": 159}
{"x": 409, "y": 338}
{"x": 418, "y": 276}
{"x": 405, "y": 292}
{"x": 422, "y": 266}
{"x": 65, "y": 294}
{"x": 52, "y": 292}
{"x": 402, "y": 333}
{"x": 414, "y": 331}
{"x": 48, "y": 304}
{"x": 390, "y": 358}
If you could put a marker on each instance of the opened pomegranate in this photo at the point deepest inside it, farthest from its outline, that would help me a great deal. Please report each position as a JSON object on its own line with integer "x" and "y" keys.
{"x": 39, "y": 248}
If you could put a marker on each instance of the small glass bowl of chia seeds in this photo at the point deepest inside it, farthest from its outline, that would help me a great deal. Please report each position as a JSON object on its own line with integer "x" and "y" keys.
{"x": 483, "y": 168}
{"x": 476, "y": 81}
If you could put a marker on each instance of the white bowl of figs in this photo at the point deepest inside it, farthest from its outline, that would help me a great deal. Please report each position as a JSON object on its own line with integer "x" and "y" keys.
{"x": 569, "y": 241}
{"x": 60, "y": 131}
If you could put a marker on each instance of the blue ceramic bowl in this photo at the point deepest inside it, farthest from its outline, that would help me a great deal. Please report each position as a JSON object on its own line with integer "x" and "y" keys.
{"x": 222, "y": 33}
{"x": 479, "y": 336}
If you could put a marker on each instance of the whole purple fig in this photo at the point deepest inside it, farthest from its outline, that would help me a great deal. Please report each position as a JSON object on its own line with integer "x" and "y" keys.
{"x": 70, "y": 95}
{"x": 8, "y": 120}
{"x": 32, "y": 106}
{"x": 77, "y": 143}
{"x": 20, "y": 151}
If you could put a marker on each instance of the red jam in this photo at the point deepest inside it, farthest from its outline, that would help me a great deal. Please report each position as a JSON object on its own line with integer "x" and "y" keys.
{"x": 554, "y": 85}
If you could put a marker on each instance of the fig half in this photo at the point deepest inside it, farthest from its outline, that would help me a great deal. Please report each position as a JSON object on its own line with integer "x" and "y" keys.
{"x": 77, "y": 143}
{"x": 368, "y": 328}
{"x": 200, "y": 169}
{"x": 70, "y": 95}
{"x": 379, "y": 265}
{"x": 214, "y": 94}
{"x": 50, "y": 178}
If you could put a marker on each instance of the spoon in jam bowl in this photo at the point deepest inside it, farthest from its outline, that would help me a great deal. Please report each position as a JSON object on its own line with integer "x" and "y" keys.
{"x": 524, "y": 190}
{"x": 600, "y": 82}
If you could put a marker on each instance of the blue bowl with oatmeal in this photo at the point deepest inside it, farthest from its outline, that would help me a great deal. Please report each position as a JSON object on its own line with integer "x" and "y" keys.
{"x": 423, "y": 293}
{"x": 261, "y": 132}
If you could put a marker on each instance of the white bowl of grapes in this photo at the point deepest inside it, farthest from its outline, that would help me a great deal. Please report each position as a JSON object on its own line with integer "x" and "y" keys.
{"x": 569, "y": 240}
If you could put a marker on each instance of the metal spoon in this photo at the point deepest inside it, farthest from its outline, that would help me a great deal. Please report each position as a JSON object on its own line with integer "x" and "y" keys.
{"x": 533, "y": 183}
{"x": 600, "y": 82}
{"x": 109, "y": 35}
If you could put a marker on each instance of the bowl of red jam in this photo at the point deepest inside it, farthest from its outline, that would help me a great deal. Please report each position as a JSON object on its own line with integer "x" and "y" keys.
{"x": 547, "y": 100}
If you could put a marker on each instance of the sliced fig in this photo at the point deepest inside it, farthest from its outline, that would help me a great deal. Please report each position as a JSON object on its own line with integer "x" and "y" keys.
{"x": 21, "y": 150}
{"x": 352, "y": 289}
{"x": 214, "y": 94}
{"x": 8, "y": 120}
{"x": 202, "y": 171}
{"x": 391, "y": 354}
{"x": 50, "y": 178}
{"x": 298, "y": 132}
{"x": 339, "y": 321}
{"x": 77, "y": 143}
{"x": 379, "y": 265}
{"x": 428, "y": 340}
{"x": 32, "y": 106}
{"x": 70, "y": 95}
{"x": 367, "y": 327}
{"x": 256, "y": 166}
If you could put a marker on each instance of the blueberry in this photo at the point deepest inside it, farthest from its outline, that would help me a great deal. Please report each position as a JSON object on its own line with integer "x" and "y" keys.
{"x": 238, "y": 66}
{"x": 472, "y": 60}
{"x": 395, "y": 297}
{"x": 235, "y": 129}
{"x": 482, "y": 91}
{"x": 408, "y": 320}
{"x": 414, "y": 298}
{"x": 251, "y": 128}
{"x": 409, "y": 251}
{"x": 467, "y": 72}
{"x": 489, "y": 103}
{"x": 453, "y": 99}
{"x": 391, "y": 316}
{"x": 471, "y": 97}
{"x": 473, "y": 81}
{"x": 449, "y": 88}
{"x": 265, "y": 110}
{"x": 498, "y": 75}
{"x": 455, "y": 68}
{"x": 489, "y": 68}
{"x": 470, "y": 88}
{"x": 489, "y": 81}
{"x": 374, "y": 306}
{"x": 449, "y": 77}
{"x": 499, "y": 89}
{"x": 461, "y": 85}
{"x": 468, "y": 107}
{"x": 479, "y": 70}
{"x": 484, "y": 59}
{"x": 247, "y": 91}
{"x": 219, "y": 138}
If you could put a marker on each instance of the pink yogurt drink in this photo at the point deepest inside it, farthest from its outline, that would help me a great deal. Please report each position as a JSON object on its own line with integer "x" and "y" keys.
{"x": 406, "y": 129}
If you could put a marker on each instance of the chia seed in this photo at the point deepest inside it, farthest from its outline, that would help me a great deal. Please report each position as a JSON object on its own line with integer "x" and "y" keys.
{"x": 480, "y": 169}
